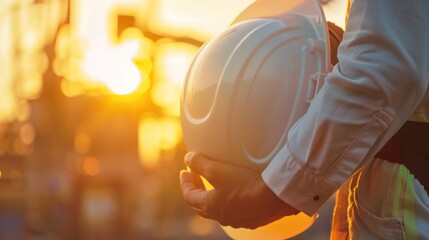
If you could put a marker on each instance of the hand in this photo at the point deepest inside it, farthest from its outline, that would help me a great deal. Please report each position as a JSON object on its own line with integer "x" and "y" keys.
{"x": 240, "y": 197}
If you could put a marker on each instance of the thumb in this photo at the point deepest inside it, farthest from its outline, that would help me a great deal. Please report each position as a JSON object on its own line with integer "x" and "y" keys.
{"x": 216, "y": 172}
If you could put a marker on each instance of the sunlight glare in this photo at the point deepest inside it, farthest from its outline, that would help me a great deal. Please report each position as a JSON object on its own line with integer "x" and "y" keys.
{"x": 113, "y": 66}
{"x": 98, "y": 59}
{"x": 173, "y": 60}
{"x": 194, "y": 18}
{"x": 124, "y": 78}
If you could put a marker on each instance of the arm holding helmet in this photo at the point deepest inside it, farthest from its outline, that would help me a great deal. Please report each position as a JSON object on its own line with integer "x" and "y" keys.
{"x": 379, "y": 81}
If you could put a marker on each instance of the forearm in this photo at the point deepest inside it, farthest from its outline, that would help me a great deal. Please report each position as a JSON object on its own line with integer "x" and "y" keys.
{"x": 379, "y": 81}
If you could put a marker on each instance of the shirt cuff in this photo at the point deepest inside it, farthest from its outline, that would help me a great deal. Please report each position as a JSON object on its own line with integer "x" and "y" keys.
{"x": 296, "y": 185}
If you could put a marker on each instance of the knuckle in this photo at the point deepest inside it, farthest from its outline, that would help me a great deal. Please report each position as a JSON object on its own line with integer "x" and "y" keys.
{"x": 196, "y": 164}
{"x": 205, "y": 210}
{"x": 211, "y": 210}
{"x": 187, "y": 199}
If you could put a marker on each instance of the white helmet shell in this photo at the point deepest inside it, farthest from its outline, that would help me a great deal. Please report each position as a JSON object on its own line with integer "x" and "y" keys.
{"x": 247, "y": 86}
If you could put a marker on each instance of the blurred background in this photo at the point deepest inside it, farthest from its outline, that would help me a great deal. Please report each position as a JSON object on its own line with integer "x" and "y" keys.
{"x": 90, "y": 137}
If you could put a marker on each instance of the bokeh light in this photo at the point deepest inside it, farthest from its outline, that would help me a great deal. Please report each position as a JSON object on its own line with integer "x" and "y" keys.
{"x": 91, "y": 166}
{"x": 82, "y": 143}
{"x": 155, "y": 136}
{"x": 171, "y": 65}
{"x": 22, "y": 60}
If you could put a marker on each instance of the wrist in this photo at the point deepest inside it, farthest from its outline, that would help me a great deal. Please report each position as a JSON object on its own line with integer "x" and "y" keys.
{"x": 274, "y": 200}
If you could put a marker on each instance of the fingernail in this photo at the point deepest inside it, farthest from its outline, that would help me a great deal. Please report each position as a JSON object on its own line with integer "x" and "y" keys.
{"x": 188, "y": 158}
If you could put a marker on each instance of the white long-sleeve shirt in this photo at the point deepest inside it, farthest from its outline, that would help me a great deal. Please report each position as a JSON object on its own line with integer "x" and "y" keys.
{"x": 381, "y": 78}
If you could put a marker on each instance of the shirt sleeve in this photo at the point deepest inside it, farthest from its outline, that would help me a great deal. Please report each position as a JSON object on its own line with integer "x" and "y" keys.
{"x": 381, "y": 77}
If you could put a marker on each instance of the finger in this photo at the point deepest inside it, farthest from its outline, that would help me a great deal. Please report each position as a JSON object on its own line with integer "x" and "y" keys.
{"x": 198, "y": 181}
{"x": 194, "y": 196}
{"x": 216, "y": 172}
{"x": 202, "y": 213}
{"x": 201, "y": 200}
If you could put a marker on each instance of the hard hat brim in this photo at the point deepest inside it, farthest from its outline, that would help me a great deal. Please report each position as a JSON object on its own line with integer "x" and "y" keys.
{"x": 309, "y": 8}
{"x": 265, "y": 8}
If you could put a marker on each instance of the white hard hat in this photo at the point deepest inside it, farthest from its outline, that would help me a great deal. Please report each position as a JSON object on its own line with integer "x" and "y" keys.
{"x": 247, "y": 86}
